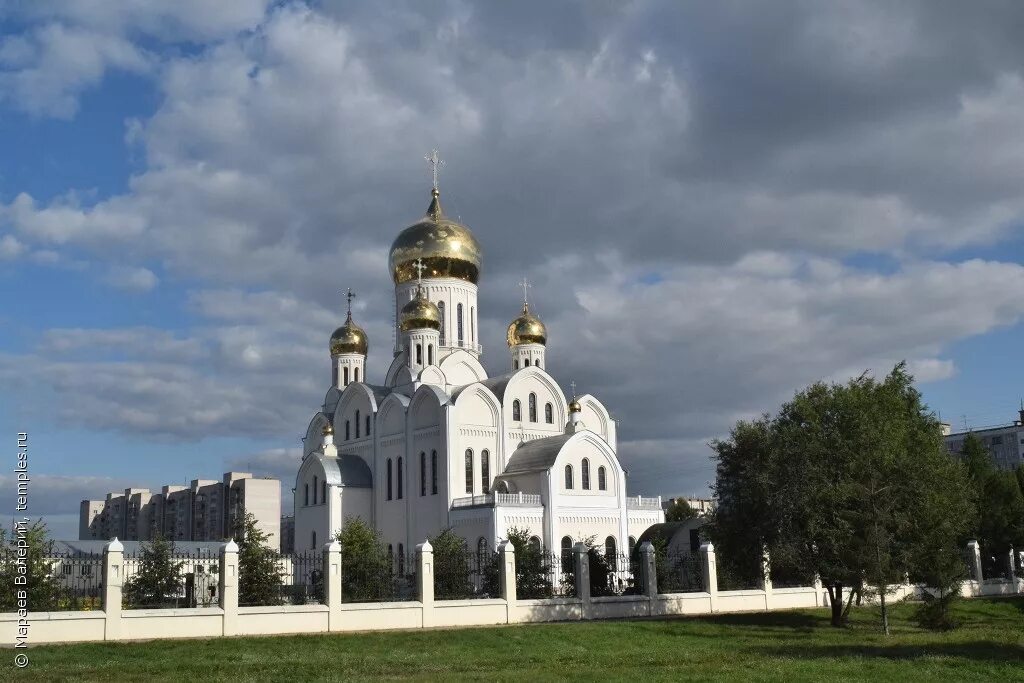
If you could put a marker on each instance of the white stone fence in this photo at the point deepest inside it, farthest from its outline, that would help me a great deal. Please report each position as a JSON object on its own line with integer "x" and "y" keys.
{"x": 228, "y": 619}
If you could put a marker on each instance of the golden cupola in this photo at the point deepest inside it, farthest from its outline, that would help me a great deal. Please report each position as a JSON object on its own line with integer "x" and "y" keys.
{"x": 527, "y": 329}
{"x": 447, "y": 248}
{"x": 420, "y": 313}
{"x": 349, "y": 338}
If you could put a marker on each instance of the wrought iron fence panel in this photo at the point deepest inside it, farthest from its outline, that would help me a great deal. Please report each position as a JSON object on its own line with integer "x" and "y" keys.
{"x": 995, "y": 567}
{"x": 466, "y": 575}
{"x": 376, "y": 577}
{"x": 182, "y": 579}
{"x": 679, "y": 573}
{"x": 613, "y": 575}
{"x": 74, "y": 581}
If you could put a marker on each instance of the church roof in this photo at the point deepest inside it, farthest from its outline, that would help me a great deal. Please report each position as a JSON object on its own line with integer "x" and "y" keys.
{"x": 345, "y": 470}
{"x": 537, "y": 455}
{"x": 496, "y": 384}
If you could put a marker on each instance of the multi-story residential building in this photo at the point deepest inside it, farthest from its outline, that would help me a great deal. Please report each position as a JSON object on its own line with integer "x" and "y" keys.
{"x": 288, "y": 534}
{"x": 701, "y": 506}
{"x": 206, "y": 510}
{"x": 1004, "y": 443}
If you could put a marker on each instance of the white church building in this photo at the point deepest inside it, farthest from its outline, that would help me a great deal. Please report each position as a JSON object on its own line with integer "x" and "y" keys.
{"x": 439, "y": 444}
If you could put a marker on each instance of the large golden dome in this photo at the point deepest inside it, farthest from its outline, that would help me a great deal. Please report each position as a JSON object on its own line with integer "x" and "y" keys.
{"x": 420, "y": 313}
{"x": 448, "y": 249}
{"x": 527, "y": 329}
{"x": 349, "y": 338}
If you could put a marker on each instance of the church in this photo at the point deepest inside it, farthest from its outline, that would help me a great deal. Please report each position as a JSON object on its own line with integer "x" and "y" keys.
{"x": 439, "y": 444}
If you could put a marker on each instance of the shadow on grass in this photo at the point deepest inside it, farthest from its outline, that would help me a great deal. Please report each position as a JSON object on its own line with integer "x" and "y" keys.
{"x": 979, "y": 650}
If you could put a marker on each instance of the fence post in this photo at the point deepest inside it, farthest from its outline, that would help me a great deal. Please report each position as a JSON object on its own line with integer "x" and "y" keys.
{"x": 507, "y": 576}
{"x": 1020, "y": 565}
{"x": 332, "y": 584}
{"x": 974, "y": 557}
{"x": 648, "y": 576}
{"x": 581, "y": 563}
{"x": 707, "y": 556}
{"x": 113, "y": 581}
{"x": 1011, "y": 559}
{"x": 425, "y": 581}
{"x": 819, "y": 599}
{"x": 228, "y": 587}
{"x": 766, "y": 579}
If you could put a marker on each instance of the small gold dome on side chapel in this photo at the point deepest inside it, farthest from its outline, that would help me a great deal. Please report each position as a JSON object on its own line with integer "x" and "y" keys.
{"x": 349, "y": 338}
{"x": 420, "y": 313}
{"x": 526, "y": 329}
{"x": 575, "y": 407}
{"x": 327, "y": 430}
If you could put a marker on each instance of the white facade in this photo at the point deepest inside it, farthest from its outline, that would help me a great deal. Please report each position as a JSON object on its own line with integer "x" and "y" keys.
{"x": 440, "y": 444}
{"x": 1004, "y": 443}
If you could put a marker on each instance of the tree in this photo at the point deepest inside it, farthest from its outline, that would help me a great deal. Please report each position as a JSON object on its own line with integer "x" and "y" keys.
{"x": 451, "y": 568}
{"x": 837, "y": 483}
{"x": 1001, "y": 526}
{"x": 158, "y": 579}
{"x": 259, "y": 575}
{"x": 42, "y": 590}
{"x": 365, "y": 567}
{"x": 532, "y": 573}
{"x": 679, "y": 511}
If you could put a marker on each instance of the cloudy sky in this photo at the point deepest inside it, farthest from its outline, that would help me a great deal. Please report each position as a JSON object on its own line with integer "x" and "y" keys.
{"x": 717, "y": 203}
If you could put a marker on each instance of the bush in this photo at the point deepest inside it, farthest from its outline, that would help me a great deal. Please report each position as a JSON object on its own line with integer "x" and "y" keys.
{"x": 158, "y": 580}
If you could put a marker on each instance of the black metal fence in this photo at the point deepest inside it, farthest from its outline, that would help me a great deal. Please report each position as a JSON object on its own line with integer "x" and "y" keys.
{"x": 466, "y": 575}
{"x": 995, "y": 567}
{"x": 74, "y": 582}
{"x": 614, "y": 574}
{"x": 376, "y": 577}
{"x": 679, "y": 573}
{"x": 181, "y": 579}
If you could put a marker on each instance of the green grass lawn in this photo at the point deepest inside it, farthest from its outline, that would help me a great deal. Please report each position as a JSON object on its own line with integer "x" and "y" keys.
{"x": 791, "y": 646}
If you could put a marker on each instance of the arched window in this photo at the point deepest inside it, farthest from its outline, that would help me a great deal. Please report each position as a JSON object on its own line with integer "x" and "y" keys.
{"x": 307, "y": 495}
{"x": 419, "y": 354}
{"x": 535, "y": 543}
{"x": 440, "y": 308}
{"x": 334, "y": 375}
{"x": 423, "y": 473}
{"x": 526, "y": 362}
{"x": 433, "y": 473}
{"x": 533, "y": 407}
{"x": 389, "y": 479}
{"x": 315, "y": 480}
{"x": 323, "y": 491}
{"x": 401, "y": 479}
{"x": 458, "y": 324}
{"x": 391, "y": 555}
{"x": 367, "y": 425}
{"x": 632, "y": 545}
{"x": 357, "y": 424}
{"x": 536, "y": 363}
{"x": 355, "y": 373}
{"x": 517, "y": 411}
{"x": 568, "y": 476}
{"x": 430, "y": 354}
{"x": 566, "y": 553}
{"x": 401, "y": 560}
{"x": 312, "y": 540}
{"x": 348, "y": 428}
{"x": 609, "y": 547}
{"x": 485, "y": 471}
{"x": 549, "y": 413}
{"x": 585, "y": 474}
{"x": 469, "y": 470}
{"x": 346, "y": 376}
{"x": 602, "y": 481}
{"x": 515, "y": 364}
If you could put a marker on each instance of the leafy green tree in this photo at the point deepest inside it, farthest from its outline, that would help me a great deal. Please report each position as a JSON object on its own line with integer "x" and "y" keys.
{"x": 259, "y": 574}
{"x": 1002, "y": 519}
{"x": 532, "y": 578}
{"x": 679, "y": 511}
{"x": 158, "y": 580}
{"x": 451, "y": 568}
{"x": 977, "y": 461}
{"x": 837, "y": 483}
{"x": 366, "y": 571}
{"x": 42, "y": 590}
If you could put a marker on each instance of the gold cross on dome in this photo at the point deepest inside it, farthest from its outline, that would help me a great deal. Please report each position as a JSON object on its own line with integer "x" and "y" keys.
{"x": 572, "y": 385}
{"x": 419, "y": 267}
{"x": 349, "y": 295}
{"x": 525, "y": 284}
{"x": 435, "y": 163}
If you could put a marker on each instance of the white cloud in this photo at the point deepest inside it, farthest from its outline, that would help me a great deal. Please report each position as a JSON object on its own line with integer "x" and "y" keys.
{"x": 132, "y": 279}
{"x": 10, "y": 247}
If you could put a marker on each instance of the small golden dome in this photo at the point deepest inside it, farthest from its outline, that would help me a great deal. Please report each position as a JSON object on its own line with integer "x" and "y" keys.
{"x": 448, "y": 248}
{"x": 575, "y": 407}
{"x": 327, "y": 430}
{"x": 349, "y": 338}
{"x": 420, "y": 313}
{"x": 527, "y": 329}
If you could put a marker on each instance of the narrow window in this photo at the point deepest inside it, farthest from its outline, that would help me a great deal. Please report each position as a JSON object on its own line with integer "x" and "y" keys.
{"x": 430, "y": 354}
{"x": 357, "y": 424}
{"x": 526, "y": 362}
{"x": 355, "y": 374}
{"x": 391, "y": 555}
{"x": 400, "y": 479}
{"x": 536, "y": 363}
{"x": 307, "y": 495}
{"x": 367, "y": 425}
{"x": 419, "y": 354}
{"x": 347, "y": 428}
{"x": 334, "y": 375}
{"x": 346, "y": 376}
{"x": 549, "y": 413}
{"x": 533, "y": 407}
{"x": 314, "y": 490}
{"x": 632, "y": 545}
{"x": 585, "y": 474}
{"x": 485, "y": 471}
{"x": 440, "y": 308}
{"x": 423, "y": 473}
{"x": 389, "y": 478}
{"x": 323, "y": 491}
{"x": 472, "y": 324}
{"x": 469, "y": 470}
{"x": 458, "y": 323}
{"x": 401, "y": 559}
{"x": 566, "y": 553}
{"x": 515, "y": 364}
{"x": 517, "y": 411}
{"x": 568, "y": 476}
{"x": 433, "y": 473}
{"x": 535, "y": 543}
{"x": 602, "y": 481}
{"x": 609, "y": 547}
{"x": 312, "y": 540}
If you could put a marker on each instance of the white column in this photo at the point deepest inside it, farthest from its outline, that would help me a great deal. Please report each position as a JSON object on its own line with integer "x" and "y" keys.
{"x": 649, "y": 576}
{"x": 508, "y": 579}
{"x": 113, "y": 582}
{"x": 332, "y": 584}
{"x": 229, "y": 586}
{"x": 425, "y": 581}
{"x": 581, "y": 563}
{"x": 707, "y": 555}
{"x": 766, "y": 579}
{"x": 974, "y": 557}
